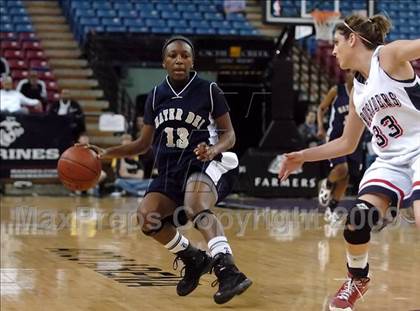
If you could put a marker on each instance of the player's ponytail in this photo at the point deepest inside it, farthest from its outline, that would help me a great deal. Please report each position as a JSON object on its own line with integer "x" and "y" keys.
{"x": 372, "y": 31}
{"x": 381, "y": 25}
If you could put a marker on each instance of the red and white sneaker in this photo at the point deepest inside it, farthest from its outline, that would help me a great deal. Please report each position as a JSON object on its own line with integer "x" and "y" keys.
{"x": 351, "y": 290}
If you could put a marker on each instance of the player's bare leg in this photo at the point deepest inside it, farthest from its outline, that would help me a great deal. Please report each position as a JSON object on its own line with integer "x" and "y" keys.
{"x": 199, "y": 198}
{"x": 366, "y": 213}
{"x": 336, "y": 184}
{"x": 416, "y": 207}
{"x": 155, "y": 216}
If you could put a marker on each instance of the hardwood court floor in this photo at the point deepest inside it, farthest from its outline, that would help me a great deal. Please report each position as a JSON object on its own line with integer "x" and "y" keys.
{"x": 82, "y": 254}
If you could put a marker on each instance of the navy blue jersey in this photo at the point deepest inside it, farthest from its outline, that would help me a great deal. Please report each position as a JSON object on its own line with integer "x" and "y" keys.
{"x": 182, "y": 121}
{"x": 339, "y": 111}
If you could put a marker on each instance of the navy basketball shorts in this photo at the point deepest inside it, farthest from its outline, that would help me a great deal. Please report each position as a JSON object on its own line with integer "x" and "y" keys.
{"x": 222, "y": 173}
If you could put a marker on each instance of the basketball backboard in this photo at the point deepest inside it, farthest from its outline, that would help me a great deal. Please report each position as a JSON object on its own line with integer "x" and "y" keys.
{"x": 298, "y": 11}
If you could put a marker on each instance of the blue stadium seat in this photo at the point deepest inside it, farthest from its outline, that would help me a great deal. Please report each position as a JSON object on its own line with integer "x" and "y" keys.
{"x": 186, "y": 7}
{"x": 213, "y": 16}
{"x": 249, "y": 32}
{"x": 171, "y": 15}
{"x": 6, "y": 27}
{"x": 123, "y": 6}
{"x": 161, "y": 30}
{"x": 165, "y": 7}
{"x": 183, "y": 31}
{"x": 238, "y": 17}
{"x": 106, "y": 13}
{"x": 21, "y": 19}
{"x": 221, "y": 24}
{"x": 101, "y": 5}
{"x": 130, "y": 22}
{"x": 207, "y": 8}
{"x": 17, "y": 11}
{"x": 177, "y": 23}
{"x": 144, "y": 7}
{"x": 16, "y": 3}
{"x": 225, "y": 31}
{"x": 241, "y": 25}
{"x": 81, "y": 5}
{"x": 139, "y": 29}
{"x": 192, "y": 15}
{"x": 5, "y": 18}
{"x": 91, "y": 21}
{"x": 205, "y": 31}
{"x": 78, "y": 13}
{"x": 128, "y": 13}
{"x": 107, "y": 22}
{"x": 24, "y": 28}
{"x": 199, "y": 24}
{"x": 150, "y": 14}
{"x": 155, "y": 23}
{"x": 115, "y": 28}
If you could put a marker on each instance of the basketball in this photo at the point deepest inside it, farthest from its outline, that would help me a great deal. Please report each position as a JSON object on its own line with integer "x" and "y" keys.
{"x": 79, "y": 168}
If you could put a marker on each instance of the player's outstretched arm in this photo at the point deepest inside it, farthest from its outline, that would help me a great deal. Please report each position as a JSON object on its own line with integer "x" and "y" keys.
{"x": 226, "y": 141}
{"x": 402, "y": 50}
{"x": 322, "y": 109}
{"x": 344, "y": 145}
{"x": 395, "y": 58}
{"x": 139, "y": 146}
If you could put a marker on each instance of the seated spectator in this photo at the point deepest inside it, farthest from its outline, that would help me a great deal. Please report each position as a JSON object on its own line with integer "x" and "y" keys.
{"x": 13, "y": 101}
{"x": 4, "y": 67}
{"x": 129, "y": 173}
{"x": 308, "y": 129}
{"x": 67, "y": 106}
{"x": 33, "y": 88}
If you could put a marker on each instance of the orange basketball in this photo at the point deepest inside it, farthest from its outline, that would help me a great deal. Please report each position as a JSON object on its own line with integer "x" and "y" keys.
{"x": 79, "y": 168}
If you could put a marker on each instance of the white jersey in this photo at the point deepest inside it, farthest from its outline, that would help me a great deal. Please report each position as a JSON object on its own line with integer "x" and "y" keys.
{"x": 390, "y": 110}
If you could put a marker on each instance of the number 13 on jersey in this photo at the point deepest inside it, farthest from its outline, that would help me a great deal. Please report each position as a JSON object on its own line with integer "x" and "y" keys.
{"x": 181, "y": 141}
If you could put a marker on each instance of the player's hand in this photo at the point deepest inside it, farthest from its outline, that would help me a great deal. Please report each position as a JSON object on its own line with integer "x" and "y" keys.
{"x": 291, "y": 162}
{"x": 204, "y": 152}
{"x": 98, "y": 150}
{"x": 321, "y": 134}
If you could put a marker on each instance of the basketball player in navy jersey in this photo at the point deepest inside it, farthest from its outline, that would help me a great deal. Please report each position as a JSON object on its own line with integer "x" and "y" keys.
{"x": 386, "y": 100}
{"x": 187, "y": 120}
{"x": 333, "y": 188}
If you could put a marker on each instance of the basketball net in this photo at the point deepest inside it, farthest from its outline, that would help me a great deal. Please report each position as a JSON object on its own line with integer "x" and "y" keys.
{"x": 324, "y": 22}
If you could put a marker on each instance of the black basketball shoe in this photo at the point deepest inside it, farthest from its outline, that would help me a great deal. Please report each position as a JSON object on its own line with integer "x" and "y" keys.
{"x": 231, "y": 281}
{"x": 196, "y": 263}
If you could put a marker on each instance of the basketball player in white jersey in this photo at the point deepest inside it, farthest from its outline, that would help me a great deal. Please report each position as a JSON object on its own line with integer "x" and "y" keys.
{"x": 386, "y": 100}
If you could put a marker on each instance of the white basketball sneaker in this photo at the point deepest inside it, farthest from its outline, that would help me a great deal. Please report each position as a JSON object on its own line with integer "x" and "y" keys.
{"x": 324, "y": 195}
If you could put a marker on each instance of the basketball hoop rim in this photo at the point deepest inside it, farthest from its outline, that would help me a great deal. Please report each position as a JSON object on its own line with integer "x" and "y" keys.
{"x": 323, "y": 16}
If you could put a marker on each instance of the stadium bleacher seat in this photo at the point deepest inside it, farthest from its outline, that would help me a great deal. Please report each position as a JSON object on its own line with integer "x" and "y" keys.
{"x": 35, "y": 55}
{"x": 13, "y": 54}
{"x": 160, "y": 16}
{"x": 20, "y": 45}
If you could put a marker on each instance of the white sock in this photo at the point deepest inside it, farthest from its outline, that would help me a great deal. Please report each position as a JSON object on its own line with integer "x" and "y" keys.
{"x": 357, "y": 261}
{"x": 218, "y": 245}
{"x": 178, "y": 243}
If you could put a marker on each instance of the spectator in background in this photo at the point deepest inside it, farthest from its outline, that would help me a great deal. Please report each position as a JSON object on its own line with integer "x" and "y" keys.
{"x": 130, "y": 173}
{"x": 33, "y": 88}
{"x": 13, "y": 101}
{"x": 308, "y": 129}
{"x": 4, "y": 67}
{"x": 67, "y": 106}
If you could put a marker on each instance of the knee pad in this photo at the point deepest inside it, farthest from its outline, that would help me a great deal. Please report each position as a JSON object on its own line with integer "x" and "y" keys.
{"x": 199, "y": 219}
{"x": 362, "y": 217}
